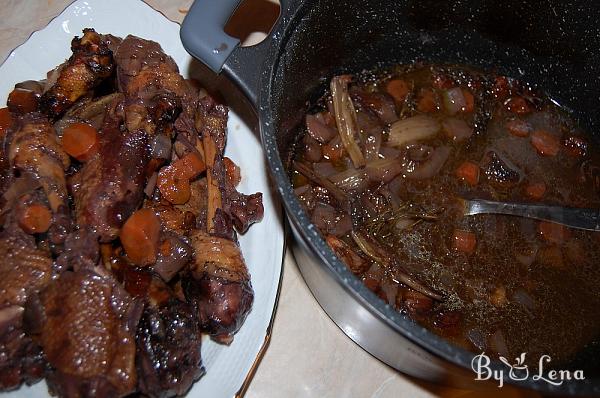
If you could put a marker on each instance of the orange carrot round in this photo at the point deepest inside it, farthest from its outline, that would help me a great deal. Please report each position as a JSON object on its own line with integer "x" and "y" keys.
{"x": 140, "y": 235}
{"x": 190, "y": 165}
{"x": 398, "y": 89}
{"x": 173, "y": 185}
{"x": 427, "y": 101}
{"x": 553, "y": 232}
{"x": 333, "y": 150}
{"x": 80, "y": 140}
{"x": 35, "y": 219}
{"x": 232, "y": 172}
{"x": 468, "y": 172}
{"x": 464, "y": 241}
{"x": 535, "y": 190}
{"x": 469, "y": 101}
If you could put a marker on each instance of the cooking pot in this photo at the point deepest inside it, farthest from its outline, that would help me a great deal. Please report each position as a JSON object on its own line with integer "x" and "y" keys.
{"x": 552, "y": 44}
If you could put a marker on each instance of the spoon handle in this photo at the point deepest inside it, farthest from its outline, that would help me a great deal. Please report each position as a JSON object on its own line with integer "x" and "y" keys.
{"x": 588, "y": 219}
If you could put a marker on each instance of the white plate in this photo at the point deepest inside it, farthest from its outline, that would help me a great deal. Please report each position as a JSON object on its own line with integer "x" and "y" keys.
{"x": 228, "y": 368}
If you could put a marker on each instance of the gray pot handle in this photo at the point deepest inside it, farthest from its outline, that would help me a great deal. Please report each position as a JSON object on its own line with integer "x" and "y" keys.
{"x": 202, "y": 34}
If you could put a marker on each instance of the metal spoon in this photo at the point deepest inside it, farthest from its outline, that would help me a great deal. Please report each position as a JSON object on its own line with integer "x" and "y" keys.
{"x": 588, "y": 219}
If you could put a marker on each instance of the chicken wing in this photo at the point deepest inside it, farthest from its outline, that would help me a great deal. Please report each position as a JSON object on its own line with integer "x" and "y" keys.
{"x": 90, "y": 64}
{"x": 33, "y": 147}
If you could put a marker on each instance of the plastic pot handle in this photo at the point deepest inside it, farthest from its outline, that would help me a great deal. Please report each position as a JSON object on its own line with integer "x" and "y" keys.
{"x": 203, "y": 36}
{"x": 202, "y": 32}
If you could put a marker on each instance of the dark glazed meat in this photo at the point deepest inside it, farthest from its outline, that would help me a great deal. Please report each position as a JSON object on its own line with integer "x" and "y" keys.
{"x": 85, "y": 323}
{"x": 242, "y": 210}
{"x": 168, "y": 344}
{"x": 90, "y": 64}
{"x": 81, "y": 251}
{"x": 24, "y": 270}
{"x": 151, "y": 82}
{"x": 141, "y": 62}
{"x": 112, "y": 268}
{"x": 220, "y": 288}
{"x": 110, "y": 186}
{"x": 33, "y": 147}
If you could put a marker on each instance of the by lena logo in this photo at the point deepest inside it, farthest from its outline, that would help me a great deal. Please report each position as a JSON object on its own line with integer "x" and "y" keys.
{"x": 519, "y": 371}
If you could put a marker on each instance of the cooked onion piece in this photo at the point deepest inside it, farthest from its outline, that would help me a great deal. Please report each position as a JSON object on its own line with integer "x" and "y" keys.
{"x": 345, "y": 116}
{"x": 413, "y": 129}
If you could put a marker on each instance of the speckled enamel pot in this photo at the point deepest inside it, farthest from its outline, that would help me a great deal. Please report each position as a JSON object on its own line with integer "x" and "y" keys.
{"x": 552, "y": 44}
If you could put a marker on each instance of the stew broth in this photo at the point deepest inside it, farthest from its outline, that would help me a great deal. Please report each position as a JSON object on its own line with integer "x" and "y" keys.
{"x": 381, "y": 169}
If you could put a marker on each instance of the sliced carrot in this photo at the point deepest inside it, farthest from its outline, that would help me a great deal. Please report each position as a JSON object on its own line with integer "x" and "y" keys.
{"x": 333, "y": 151}
{"x": 165, "y": 247}
{"x": 371, "y": 284}
{"x": 174, "y": 186}
{"x": 518, "y": 127}
{"x": 545, "y": 143}
{"x": 469, "y": 101}
{"x": 464, "y": 241}
{"x": 535, "y": 190}
{"x": 518, "y": 105}
{"x": 232, "y": 172}
{"x": 398, "y": 89}
{"x": 427, "y": 101}
{"x": 443, "y": 82}
{"x": 80, "y": 140}
{"x": 35, "y": 219}
{"x": 139, "y": 237}
{"x": 468, "y": 172}
{"x": 22, "y": 101}
{"x": 553, "y": 232}
{"x": 575, "y": 146}
{"x": 190, "y": 165}
{"x": 6, "y": 120}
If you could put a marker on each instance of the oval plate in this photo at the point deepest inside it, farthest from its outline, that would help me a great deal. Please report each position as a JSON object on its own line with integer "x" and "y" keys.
{"x": 228, "y": 368}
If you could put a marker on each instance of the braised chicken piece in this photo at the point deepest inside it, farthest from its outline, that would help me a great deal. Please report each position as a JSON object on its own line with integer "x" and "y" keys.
{"x": 110, "y": 186}
{"x": 90, "y": 64}
{"x": 174, "y": 218}
{"x": 85, "y": 322}
{"x": 34, "y": 148}
{"x": 168, "y": 344}
{"x": 220, "y": 288}
{"x": 223, "y": 198}
{"x": 81, "y": 251}
{"x": 168, "y": 337}
{"x": 24, "y": 270}
{"x": 151, "y": 82}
